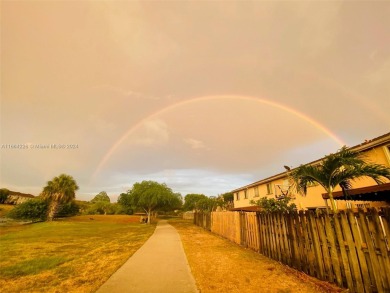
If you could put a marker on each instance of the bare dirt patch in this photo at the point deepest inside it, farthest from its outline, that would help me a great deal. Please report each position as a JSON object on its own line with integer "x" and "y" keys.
{"x": 219, "y": 265}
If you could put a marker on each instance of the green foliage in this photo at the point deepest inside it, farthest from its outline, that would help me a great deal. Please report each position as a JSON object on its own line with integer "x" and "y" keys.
{"x": 33, "y": 209}
{"x": 201, "y": 202}
{"x": 125, "y": 200}
{"x": 101, "y": 208}
{"x": 228, "y": 196}
{"x": 100, "y": 205}
{"x": 273, "y": 205}
{"x": 338, "y": 169}
{"x": 209, "y": 204}
{"x": 4, "y": 192}
{"x": 61, "y": 189}
{"x": 150, "y": 196}
{"x": 122, "y": 210}
{"x": 68, "y": 209}
{"x": 58, "y": 191}
{"x": 228, "y": 199}
{"x": 191, "y": 201}
{"x": 125, "y": 205}
{"x": 82, "y": 205}
{"x": 175, "y": 203}
{"x": 102, "y": 196}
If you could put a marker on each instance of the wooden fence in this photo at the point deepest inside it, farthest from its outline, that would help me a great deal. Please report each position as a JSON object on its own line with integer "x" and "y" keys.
{"x": 203, "y": 220}
{"x": 350, "y": 249}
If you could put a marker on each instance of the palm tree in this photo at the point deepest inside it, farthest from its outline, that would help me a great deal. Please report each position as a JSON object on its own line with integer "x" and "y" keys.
{"x": 337, "y": 169}
{"x": 58, "y": 191}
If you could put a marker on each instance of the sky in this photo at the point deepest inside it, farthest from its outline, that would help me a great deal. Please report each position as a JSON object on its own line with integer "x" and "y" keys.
{"x": 203, "y": 96}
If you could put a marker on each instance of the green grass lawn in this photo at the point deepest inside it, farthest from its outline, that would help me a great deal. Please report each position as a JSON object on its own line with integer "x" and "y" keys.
{"x": 72, "y": 255}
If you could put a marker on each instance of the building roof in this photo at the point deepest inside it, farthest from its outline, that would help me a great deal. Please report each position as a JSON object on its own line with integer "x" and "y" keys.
{"x": 366, "y": 145}
{"x": 379, "y": 192}
{"x": 20, "y": 194}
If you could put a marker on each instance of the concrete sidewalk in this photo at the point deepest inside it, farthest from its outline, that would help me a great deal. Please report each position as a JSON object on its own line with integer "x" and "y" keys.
{"x": 160, "y": 265}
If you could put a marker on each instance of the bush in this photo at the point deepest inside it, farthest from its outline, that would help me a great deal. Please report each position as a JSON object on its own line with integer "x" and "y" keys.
{"x": 33, "y": 209}
{"x": 4, "y": 192}
{"x": 68, "y": 209}
{"x": 273, "y": 205}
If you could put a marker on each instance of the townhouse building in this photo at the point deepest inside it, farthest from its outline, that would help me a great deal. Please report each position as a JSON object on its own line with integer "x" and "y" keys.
{"x": 364, "y": 193}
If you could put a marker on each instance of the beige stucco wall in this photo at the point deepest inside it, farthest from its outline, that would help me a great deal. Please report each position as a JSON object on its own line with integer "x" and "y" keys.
{"x": 378, "y": 155}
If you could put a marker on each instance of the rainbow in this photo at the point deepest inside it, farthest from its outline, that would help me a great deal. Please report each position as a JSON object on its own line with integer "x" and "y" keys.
{"x": 280, "y": 106}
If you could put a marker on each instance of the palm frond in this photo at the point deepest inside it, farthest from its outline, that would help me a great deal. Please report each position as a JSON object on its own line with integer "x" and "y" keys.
{"x": 305, "y": 175}
{"x": 338, "y": 169}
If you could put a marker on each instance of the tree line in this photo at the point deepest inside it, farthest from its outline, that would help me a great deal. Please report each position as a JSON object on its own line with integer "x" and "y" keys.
{"x": 58, "y": 196}
{"x": 58, "y": 199}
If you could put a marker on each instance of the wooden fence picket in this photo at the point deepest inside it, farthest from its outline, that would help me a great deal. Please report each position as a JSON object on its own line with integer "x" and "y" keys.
{"x": 316, "y": 245}
{"x": 332, "y": 245}
{"x": 345, "y": 264}
{"x": 378, "y": 232}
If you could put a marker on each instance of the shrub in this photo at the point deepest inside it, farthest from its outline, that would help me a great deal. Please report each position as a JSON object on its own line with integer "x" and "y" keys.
{"x": 273, "y": 205}
{"x": 33, "y": 209}
{"x": 68, "y": 209}
{"x": 4, "y": 192}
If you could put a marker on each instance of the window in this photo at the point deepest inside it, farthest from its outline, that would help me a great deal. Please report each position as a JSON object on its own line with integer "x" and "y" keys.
{"x": 257, "y": 194}
{"x": 269, "y": 188}
{"x": 237, "y": 196}
{"x": 246, "y": 193}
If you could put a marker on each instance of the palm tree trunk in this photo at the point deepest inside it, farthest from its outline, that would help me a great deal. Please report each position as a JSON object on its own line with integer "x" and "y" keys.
{"x": 332, "y": 201}
{"x": 52, "y": 210}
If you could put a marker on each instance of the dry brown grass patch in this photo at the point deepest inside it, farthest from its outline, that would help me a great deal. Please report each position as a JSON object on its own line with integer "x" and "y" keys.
{"x": 92, "y": 251}
{"x": 219, "y": 265}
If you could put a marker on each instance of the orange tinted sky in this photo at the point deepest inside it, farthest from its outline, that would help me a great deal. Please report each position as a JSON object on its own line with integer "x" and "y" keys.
{"x": 87, "y": 72}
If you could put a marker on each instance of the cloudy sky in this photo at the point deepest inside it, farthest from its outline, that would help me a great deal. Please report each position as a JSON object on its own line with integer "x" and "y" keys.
{"x": 204, "y": 96}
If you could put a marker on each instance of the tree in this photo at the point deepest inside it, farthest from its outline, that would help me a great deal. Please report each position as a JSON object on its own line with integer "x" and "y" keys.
{"x": 4, "y": 193}
{"x": 176, "y": 203}
{"x": 101, "y": 204}
{"x": 58, "y": 191}
{"x": 228, "y": 199}
{"x": 101, "y": 207}
{"x": 150, "y": 196}
{"x": 338, "y": 169}
{"x": 209, "y": 204}
{"x": 101, "y": 196}
{"x": 191, "y": 201}
{"x": 273, "y": 205}
{"x": 125, "y": 203}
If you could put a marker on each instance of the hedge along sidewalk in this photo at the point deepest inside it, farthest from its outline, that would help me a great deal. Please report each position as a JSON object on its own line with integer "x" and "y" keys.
{"x": 160, "y": 265}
